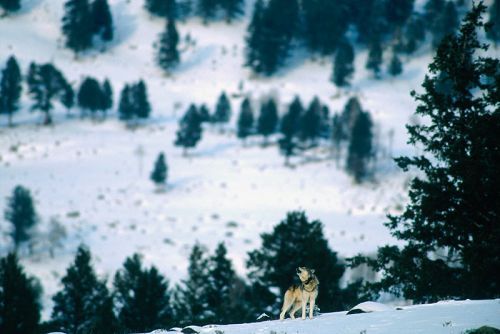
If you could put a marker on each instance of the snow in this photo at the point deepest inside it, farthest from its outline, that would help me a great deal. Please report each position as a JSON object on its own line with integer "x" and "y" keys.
{"x": 450, "y": 317}
{"x": 367, "y": 307}
{"x": 93, "y": 177}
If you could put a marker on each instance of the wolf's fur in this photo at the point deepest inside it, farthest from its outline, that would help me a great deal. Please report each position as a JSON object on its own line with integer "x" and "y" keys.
{"x": 297, "y": 296}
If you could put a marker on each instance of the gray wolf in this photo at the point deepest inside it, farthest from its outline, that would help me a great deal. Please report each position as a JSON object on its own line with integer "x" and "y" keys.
{"x": 298, "y": 295}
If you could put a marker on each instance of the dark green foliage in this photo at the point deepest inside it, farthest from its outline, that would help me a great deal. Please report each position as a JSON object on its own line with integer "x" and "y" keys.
{"x": 395, "y": 66}
{"x": 84, "y": 305}
{"x": 450, "y": 226}
{"x": 90, "y": 95}
{"x": 414, "y": 33}
{"x": 183, "y": 8}
{"x": 207, "y": 9}
{"x": 326, "y": 22}
{"x": 232, "y": 9}
{"x": 159, "y": 173}
{"x": 484, "y": 330}
{"x": 432, "y": 10}
{"x": 374, "y": 60}
{"x": 68, "y": 96}
{"x": 162, "y": 8}
{"x": 338, "y": 135}
{"x": 19, "y": 298}
{"x": 493, "y": 31}
{"x": 168, "y": 54}
{"x": 310, "y": 122}
{"x": 10, "y": 88}
{"x": 398, "y": 12}
{"x": 343, "y": 64}
{"x": 134, "y": 103}
{"x": 20, "y": 212}
{"x": 289, "y": 128}
{"x": 142, "y": 297}
{"x": 360, "y": 147}
{"x": 10, "y": 5}
{"x": 245, "y": 120}
{"x": 44, "y": 83}
{"x": 294, "y": 242}
{"x": 204, "y": 113}
{"x": 268, "y": 119}
{"x": 446, "y": 23}
{"x": 126, "y": 105}
{"x": 222, "y": 113}
{"x": 142, "y": 106}
{"x": 107, "y": 95}
{"x": 352, "y": 110}
{"x": 190, "y": 129}
{"x": 77, "y": 25}
{"x": 102, "y": 20}
{"x": 369, "y": 17}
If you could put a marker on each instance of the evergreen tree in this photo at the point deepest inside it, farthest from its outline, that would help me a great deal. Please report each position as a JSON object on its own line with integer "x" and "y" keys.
{"x": 162, "y": 8}
{"x": 77, "y": 25}
{"x": 222, "y": 113}
{"x": 325, "y": 24}
{"x": 398, "y": 12}
{"x": 20, "y": 212}
{"x": 310, "y": 122}
{"x": 10, "y": 88}
{"x": 343, "y": 67}
{"x": 432, "y": 10}
{"x": 160, "y": 171}
{"x": 445, "y": 24}
{"x": 102, "y": 20}
{"x": 303, "y": 243}
{"x": 395, "y": 66}
{"x": 190, "y": 129}
{"x": 191, "y": 301}
{"x": 360, "y": 149}
{"x": 450, "y": 226}
{"x": 9, "y": 6}
{"x": 142, "y": 108}
{"x": 370, "y": 19}
{"x": 414, "y": 33}
{"x": 290, "y": 125}
{"x": 493, "y": 31}
{"x": 19, "y": 298}
{"x": 204, "y": 113}
{"x": 245, "y": 120}
{"x": 168, "y": 55}
{"x": 107, "y": 96}
{"x": 68, "y": 96}
{"x": 352, "y": 110}
{"x": 268, "y": 119}
{"x": 232, "y": 8}
{"x": 90, "y": 95}
{"x": 44, "y": 83}
{"x": 374, "y": 60}
{"x": 184, "y": 8}
{"x": 338, "y": 136}
{"x": 142, "y": 297}
{"x": 126, "y": 104}
{"x": 84, "y": 304}
{"x": 207, "y": 9}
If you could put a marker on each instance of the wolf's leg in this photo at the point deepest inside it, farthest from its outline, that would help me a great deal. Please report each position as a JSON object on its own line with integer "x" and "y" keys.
{"x": 305, "y": 297}
{"x": 287, "y": 302}
{"x": 294, "y": 310}
{"x": 312, "y": 301}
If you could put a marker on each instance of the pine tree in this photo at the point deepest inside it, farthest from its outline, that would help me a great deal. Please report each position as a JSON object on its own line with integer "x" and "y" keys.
{"x": 77, "y": 25}
{"x": 107, "y": 96}
{"x": 162, "y": 8}
{"x": 360, "y": 149}
{"x": 21, "y": 213}
{"x": 142, "y": 297}
{"x": 254, "y": 38}
{"x": 338, "y": 136}
{"x": 310, "y": 122}
{"x": 432, "y": 10}
{"x": 222, "y": 113}
{"x": 10, "y": 6}
{"x": 90, "y": 95}
{"x": 142, "y": 108}
{"x": 445, "y": 24}
{"x": 268, "y": 119}
{"x": 374, "y": 60}
{"x": 207, "y": 9}
{"x": 126, "y": 104}
{"x": 414, "y": 33}
{"x": 84, "y": 303}
{"x": 160, "y": 171}
{"x": 343, "y": 67}
{"x": 245, "y": 120}
{"x": 168, "y": 55}
{"x": 102, "y": 20}
{"x": 232, "y": 9}
{"x": 10, "y": 88}
{"x": 395, "y": 66}
{"x": 204, "y": 113}
{"x": 450, "y": 226}
{"x": 493, "y": 31}
{"x": 352, "y": 110}
{"x": 297, "y": 238}
{"x": 184, "y": 8}
{"x": 68, "y": 96}
{"x": 19, "y": 298}
{"x": 398, "y": 12}
{"x": 190, "y": 129}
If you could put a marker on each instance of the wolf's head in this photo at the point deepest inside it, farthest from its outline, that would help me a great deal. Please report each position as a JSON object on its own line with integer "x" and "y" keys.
{"x": 304, "y": 273}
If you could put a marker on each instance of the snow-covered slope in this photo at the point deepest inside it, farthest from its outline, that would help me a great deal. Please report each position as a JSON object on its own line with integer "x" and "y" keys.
{"x": 94, "y": 177}
{"x": 452, "y": 317}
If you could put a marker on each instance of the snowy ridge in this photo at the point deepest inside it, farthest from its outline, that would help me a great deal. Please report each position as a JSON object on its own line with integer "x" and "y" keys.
{"x": 450, "y": 317}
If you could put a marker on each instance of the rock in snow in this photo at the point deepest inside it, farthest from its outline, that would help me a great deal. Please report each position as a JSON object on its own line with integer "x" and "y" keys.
{"x": 368, "y": 307}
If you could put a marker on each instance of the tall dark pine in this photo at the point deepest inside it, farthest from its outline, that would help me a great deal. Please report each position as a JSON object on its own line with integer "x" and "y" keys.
{"x": 395, "y": 66}
{"x": 398, "y": 12}
{"x": 414, "y": 33}
{"x": 168, "y": 54}
{"x": 68, "y": 96}
{"x": 268, "y": 119}
{"x": 450, "y": 226}
{"x": 298, "y": 238}
{"x": 445, "y": 24}
{"x": 10, "y": 5}
{"x": 232, "y": 8}
{"x": 142, "y": 297}
{"x": 107, "y": 96}
{"x": 10, "y": 88}
{"x": 20, "y": 212}
{"x": 338, "y": 136}
{"x": 432, "y": 10}
{"x": 142, "y": 107}
{"x": 222, "y": 113}
{"x": 163, "y": 8}
{"x": 126, "y": 105}
{"x": 245, "y": 126}
{"x": 310, "y": 122}
{"x": 190, "y": 129}
{"x": 19, "y": 298}
{"x": 184, "y": 8}
{"x": 160, "y": 170}
{"x": 374, "y": 60}
{"x": 360, "y": 149}
{"x": 349, "y": 115}
{"x": 84, "y": 304}
{"x": 207, "y": 9}
{"x": 90, "y": 96}
{"x": 77, "y": 25}
{"x": 343, "y": 64}
{"x": 102, "y": 20}
{"x": 289, "y": 128}
{"x": 493, "y": 32}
